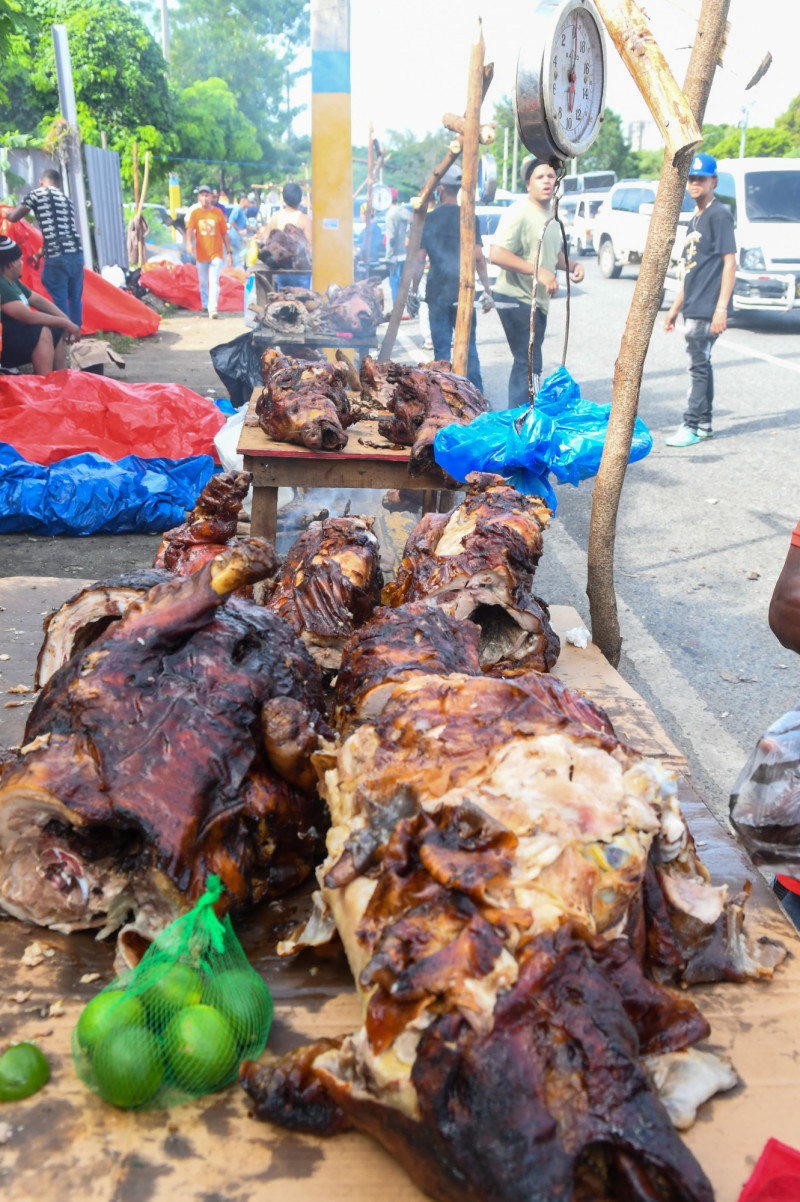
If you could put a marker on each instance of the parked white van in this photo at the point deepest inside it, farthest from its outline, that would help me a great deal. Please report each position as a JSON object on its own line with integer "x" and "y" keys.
{"x": 764, "y": 196}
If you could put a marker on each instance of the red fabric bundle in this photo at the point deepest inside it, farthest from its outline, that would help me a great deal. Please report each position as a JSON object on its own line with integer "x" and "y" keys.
{"x": 178, "y": 284}
{"x": 47, "y": 418}
{"x": 776, "y": 1177}
{"x": 105, "y": 307}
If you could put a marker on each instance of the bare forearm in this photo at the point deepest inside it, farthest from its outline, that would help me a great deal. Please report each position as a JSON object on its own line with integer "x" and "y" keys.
{"x": 727, "y": 282}
{"x": 483, "y": 272}
{"x": 18, "y": 213}
{"x": 784, "y": 608}
{"x": 43, "y": 305}
{"x": 509, "y": 261}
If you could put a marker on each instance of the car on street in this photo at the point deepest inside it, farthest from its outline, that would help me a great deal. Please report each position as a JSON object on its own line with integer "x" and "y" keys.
{"x": 587, "y": 206}
{"x": 622, "y": 223}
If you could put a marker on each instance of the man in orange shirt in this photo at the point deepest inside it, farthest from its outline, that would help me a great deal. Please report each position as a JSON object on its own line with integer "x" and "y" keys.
{"x": 208, "y": 233}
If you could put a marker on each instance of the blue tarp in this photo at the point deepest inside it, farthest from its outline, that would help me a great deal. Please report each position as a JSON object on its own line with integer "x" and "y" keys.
{"x": 87, "y": 494}
{"x": 563, "y": 435}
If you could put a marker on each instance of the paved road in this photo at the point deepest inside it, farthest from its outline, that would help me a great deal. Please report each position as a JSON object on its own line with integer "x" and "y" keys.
{"x": 702, "y": 532}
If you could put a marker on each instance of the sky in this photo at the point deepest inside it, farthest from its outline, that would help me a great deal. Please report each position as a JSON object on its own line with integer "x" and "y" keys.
{"x": 409, "y": 61}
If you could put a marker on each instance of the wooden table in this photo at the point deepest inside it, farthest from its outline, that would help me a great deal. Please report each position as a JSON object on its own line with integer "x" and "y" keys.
{"x": 361, "y": 464}
{"x": 66, "y": 1145}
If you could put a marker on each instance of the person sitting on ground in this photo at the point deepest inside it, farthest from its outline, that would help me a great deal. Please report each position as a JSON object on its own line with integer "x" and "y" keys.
{"x": 34, "y": 329}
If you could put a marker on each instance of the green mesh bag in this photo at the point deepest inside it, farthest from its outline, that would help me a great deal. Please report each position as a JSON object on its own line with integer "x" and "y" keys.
{"x": 178, "y": 1025}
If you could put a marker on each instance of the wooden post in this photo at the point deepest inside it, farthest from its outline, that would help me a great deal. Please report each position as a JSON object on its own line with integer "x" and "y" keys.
{"x": 642, "y": 56}
{"x": 639, "y": 327}
{"x": 469, "y": 182}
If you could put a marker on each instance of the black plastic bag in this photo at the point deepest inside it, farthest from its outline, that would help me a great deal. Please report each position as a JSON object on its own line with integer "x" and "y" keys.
{"x": 238, "y": 365}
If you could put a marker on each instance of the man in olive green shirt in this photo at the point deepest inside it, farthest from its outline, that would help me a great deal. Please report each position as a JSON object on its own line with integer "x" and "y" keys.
{"x": 514, "y": 250}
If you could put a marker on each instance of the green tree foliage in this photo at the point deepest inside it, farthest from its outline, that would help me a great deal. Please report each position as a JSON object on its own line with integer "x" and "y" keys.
{"x": 410, "y": 163}
{"x": 14, "y": 23}
{"x": 610, "y": 151}
{"x": 213, "y": 128}
{"x": 119, "y": 75}
{"x": 249, "y": 44}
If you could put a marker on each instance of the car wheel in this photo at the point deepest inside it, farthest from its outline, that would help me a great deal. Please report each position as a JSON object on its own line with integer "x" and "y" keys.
{"x": 608, "y": 261}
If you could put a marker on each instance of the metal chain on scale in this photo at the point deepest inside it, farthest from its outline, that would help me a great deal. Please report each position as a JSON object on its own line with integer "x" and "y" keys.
{"x": 553, "y": 217}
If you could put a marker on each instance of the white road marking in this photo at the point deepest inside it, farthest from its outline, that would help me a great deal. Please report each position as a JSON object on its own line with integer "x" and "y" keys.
{"x": 748, "y": 351}
{"x": 720, "y": 754}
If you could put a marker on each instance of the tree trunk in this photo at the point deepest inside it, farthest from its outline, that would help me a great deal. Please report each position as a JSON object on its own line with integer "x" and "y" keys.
{"x": 469, "y": 182}
{"x": 639, "y": 327}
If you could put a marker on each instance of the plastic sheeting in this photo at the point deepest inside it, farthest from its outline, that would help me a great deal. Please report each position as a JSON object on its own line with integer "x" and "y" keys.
{"x": 563, "y": 435}
{"x": 105, "y": 307}
{"x": 69, "y": 412}
{"x": 86, "y": 494}
{"x": 178, "y": 284}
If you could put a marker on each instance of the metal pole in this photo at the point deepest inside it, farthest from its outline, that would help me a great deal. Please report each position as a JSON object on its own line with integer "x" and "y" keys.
{"x": 66, "y": 95}
{"x": 505, "y": 159}
{"x": 164, "y": 31}
{"x": 743, "y": 139}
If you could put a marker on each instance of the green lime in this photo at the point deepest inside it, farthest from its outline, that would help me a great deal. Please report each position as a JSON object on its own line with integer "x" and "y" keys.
{"x": 113, "y": 1008}
{"x": 244, "y": 1001}
{"x": 200, "y": 1049}
{"x": 23, "y": 1071}
{"x": 128, "y": 1066}
{"x": 170, "y": 990}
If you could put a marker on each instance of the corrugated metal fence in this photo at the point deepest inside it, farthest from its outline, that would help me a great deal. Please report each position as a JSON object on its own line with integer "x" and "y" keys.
{"x": 105, "y": 190}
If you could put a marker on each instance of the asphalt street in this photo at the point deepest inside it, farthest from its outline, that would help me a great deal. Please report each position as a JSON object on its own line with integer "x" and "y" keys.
{"x": 702, "y": 531}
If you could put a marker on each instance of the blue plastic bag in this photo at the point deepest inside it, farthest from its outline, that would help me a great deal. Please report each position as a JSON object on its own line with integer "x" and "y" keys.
{"x": 563, "y": 435}
{"x": 87, "y": 494}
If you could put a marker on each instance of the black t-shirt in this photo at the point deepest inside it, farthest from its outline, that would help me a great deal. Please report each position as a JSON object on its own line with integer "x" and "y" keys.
{"x": 441, "y": 238}
{"x": 709, "y": 237}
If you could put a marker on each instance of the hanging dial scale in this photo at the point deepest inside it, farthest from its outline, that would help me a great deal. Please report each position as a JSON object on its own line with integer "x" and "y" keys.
{"x": 561, "y": 80}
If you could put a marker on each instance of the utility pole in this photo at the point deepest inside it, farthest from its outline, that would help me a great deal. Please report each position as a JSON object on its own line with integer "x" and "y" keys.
{"x": 164, "y": 31}
{"x": 66, "y": 95}
{"x": 331, "y": 143}
{"x": 743, "y": 125}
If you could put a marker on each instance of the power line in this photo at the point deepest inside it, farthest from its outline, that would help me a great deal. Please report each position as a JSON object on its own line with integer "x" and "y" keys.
{"x": 166, "y": 158}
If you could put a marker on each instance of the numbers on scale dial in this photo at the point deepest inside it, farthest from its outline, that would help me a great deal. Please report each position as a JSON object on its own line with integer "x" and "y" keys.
{"x": 577, "y": 76}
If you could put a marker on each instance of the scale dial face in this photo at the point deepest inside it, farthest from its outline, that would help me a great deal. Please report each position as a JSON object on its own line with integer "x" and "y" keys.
{"x": 561, "y": 82}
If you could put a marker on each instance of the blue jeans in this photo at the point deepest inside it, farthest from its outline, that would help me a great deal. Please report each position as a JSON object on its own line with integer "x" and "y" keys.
{"x": 395, "y": 276}
{"x": 516, "y": 323}
{"x": 208, "y": 274}
{"x": 443, "y": 323}
{"x": 699, "y": 344}
{"x": 62, "y": 276}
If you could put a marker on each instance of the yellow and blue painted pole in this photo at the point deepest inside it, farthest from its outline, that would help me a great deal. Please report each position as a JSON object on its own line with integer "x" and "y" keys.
{"x": 331, "y": 144}
{"x": 174, "y": 203}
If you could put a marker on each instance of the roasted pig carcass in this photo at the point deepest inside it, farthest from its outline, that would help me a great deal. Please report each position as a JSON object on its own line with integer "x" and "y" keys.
{"x": 304, "y": 402}
{"x": 330, "y": 584}
{"x": 422, "y": 401}
{"x": 394, "y": 645}
{"x": 356, "y": 309}
{"x": 87, "y": 614}
{"x": 163, "y": 753}
{"x": 285, "y": 249}
{"x": 208, "y": 528}
{"x": 478, "y": 562}
{"x": 486, "y": 860}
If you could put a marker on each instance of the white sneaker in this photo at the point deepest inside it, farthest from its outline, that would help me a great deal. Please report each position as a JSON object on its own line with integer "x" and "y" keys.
{"x": 212, "y": 313}
{"x": 427, "y": 344}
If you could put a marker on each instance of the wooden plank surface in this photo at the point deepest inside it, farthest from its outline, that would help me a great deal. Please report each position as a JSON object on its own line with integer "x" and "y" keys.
{"x": 66, "y": 1144}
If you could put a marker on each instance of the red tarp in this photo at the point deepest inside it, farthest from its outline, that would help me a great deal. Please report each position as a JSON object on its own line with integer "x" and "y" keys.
{"x": 177, "y": 283}
{"x": 105, "y": 307}
{"x": 47, "y": 418}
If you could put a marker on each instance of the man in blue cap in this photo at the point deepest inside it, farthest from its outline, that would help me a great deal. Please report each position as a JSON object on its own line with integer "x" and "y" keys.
{"x": 709, "y": 257}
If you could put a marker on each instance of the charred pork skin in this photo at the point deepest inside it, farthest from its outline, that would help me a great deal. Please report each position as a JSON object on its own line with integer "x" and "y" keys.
{"x": 148, "y": 766}
{"x": 87, "y": 614}
{"x": 478, "y": 562}
{"x": 423, "y": 400}
{"x": 304, "y": 403}
{"x": 488, "y": 851}
{"x": 330, "y": 584}
{"x": 412, "y": 640}
{"x": 208, "y": 528}
{"x": 285, "y": 249}
{"x": 356, "y": 309}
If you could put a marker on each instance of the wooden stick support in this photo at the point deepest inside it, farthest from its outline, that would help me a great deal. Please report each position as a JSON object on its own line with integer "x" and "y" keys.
{"x": 469, "y": 182}
{"x": 642, "y": 316}
{"x": 642, "y": 56}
